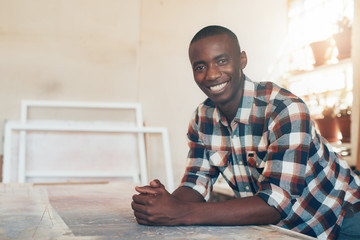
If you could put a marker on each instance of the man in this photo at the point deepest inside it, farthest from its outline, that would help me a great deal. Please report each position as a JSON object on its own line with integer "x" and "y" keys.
{"x": 261, "y": 139}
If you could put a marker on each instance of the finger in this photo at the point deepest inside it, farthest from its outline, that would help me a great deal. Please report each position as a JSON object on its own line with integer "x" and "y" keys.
{"x": 140, "y": 199}
{"x": 138, "y": 207}
{"x": 145, "y": 199}
{"x": 156, "y": 183}
{"x": 141, "y": 218}
{"x": 147, "y": 190}
{"x": 141, "y": 221}
{"x": 144, "y": 219}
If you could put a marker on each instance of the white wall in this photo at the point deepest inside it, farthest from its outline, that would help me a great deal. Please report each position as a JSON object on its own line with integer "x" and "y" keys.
{"x": 67, "y": 50}
{"x": 117, "y": 50}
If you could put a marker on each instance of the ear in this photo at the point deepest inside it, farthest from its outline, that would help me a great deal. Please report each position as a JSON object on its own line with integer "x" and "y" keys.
{"x": 243, "y": 60}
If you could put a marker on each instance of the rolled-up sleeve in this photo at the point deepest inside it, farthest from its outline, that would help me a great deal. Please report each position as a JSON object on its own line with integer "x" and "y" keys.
{"x": 288, "y": 152}
{"x": 199, "y": 174}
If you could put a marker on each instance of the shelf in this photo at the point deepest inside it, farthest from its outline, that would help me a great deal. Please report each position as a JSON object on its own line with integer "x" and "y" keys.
{"x": 343, "y": 64}
{"x": 324, "y": 85}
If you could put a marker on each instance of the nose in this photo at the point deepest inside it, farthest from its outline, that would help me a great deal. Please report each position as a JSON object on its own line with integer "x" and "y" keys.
{"x": 213, "y": 73}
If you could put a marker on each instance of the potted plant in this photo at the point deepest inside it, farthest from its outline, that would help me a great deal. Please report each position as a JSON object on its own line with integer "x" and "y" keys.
{"x": 327, "y": 124}
{"x": 336, "y": 118}
{"x": 321, "y": 51}
{"x": 343, "y": 38}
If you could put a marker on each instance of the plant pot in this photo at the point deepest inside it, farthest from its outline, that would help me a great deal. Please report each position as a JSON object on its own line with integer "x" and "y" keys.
{"x": 344, "y": 123}
{"x": 328, "y": 128}
{"x": 343, "y": 44}
{"x": 320, "y": 51}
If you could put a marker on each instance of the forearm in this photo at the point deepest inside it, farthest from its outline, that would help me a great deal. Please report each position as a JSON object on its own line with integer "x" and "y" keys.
{"x": 186, "y": 194}
{"x": 244, "y": 211}
{"x": 185, "y": 206}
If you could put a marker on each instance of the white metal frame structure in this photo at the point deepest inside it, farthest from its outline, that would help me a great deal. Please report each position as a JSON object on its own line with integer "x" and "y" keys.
{"x": 26, "y": 104}
{"x": 25, "y": 126}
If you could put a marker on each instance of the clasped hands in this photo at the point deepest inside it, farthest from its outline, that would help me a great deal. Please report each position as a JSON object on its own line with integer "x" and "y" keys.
{"x": 154, "y": 205}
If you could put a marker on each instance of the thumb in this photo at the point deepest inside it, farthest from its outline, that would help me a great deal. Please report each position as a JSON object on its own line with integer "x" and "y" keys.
{"x": 156, "y": 184}
{"x": 147, "y": 190}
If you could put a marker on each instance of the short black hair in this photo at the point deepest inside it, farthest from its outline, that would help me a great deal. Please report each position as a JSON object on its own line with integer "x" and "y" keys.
{"x": 213, "y": 30}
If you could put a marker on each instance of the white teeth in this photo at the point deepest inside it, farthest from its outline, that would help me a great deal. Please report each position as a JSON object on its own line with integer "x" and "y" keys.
{"x": 218, "y": 87}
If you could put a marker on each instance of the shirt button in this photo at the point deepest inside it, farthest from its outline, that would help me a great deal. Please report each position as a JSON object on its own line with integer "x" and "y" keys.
{"x": 247, "y": 187}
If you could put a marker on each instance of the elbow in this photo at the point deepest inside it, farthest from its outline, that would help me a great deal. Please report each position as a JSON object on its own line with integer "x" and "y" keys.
{"x": 276, "y": 217}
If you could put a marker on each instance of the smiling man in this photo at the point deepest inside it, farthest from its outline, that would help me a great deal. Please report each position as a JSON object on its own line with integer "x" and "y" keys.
{"x": 261, "y": 139}
{"x": 217, "y": 65}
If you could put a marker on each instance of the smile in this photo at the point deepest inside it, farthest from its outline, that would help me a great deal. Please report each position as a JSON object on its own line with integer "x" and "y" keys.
{"x": 218, "y": 87}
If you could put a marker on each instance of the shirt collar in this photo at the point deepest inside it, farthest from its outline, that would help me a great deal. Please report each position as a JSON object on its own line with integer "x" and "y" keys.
{"x": 244, "y": 110}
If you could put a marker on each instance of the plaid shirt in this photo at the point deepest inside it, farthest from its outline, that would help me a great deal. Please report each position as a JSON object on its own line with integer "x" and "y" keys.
{"x": 271, "y": 149}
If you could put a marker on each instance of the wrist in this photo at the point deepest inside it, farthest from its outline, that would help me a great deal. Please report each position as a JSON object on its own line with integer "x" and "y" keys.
{"x": 189, "y": 216}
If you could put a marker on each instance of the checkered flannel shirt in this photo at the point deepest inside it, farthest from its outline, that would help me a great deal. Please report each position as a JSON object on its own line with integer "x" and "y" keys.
{"x": 271, "y": 149}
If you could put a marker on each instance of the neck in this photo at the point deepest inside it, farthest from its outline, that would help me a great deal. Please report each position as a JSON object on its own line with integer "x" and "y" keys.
{"x": 230, "y": 108}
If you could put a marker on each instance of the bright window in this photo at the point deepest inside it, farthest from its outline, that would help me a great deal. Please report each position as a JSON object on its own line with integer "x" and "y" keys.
{"x": 325, "y": 83}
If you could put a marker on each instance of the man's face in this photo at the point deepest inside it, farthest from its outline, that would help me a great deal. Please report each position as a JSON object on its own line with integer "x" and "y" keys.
{"x": 216, "y": 62}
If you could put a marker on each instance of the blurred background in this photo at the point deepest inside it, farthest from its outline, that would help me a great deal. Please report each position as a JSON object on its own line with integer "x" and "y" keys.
{"x": 136, "y": 52}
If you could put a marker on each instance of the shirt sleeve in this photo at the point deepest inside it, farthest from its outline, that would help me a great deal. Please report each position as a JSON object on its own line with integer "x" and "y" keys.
{"x": 199, "y": 174}
{"x": 289, "y": 134}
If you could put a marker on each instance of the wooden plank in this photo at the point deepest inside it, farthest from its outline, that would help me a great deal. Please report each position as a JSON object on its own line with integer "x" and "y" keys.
{"x": 69, "y": 183}
{"x": 100, "y": 211}
{"x": 25, "y": 213}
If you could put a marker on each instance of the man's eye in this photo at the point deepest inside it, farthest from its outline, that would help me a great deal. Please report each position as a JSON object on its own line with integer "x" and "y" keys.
{"x": 222, "y": 61}
{"x": 199, "y": 68}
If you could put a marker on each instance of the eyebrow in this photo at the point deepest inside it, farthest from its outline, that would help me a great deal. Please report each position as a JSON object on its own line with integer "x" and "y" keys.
{"x": 221, "y": 56}
{"x": 198, "y": 63}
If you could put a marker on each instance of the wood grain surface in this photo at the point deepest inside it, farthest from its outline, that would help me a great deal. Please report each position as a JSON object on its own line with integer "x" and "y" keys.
{"x": 99, "y": 211}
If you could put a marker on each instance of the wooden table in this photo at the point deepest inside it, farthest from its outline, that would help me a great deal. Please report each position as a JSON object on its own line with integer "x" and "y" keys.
{"x": 99, "y": 211}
